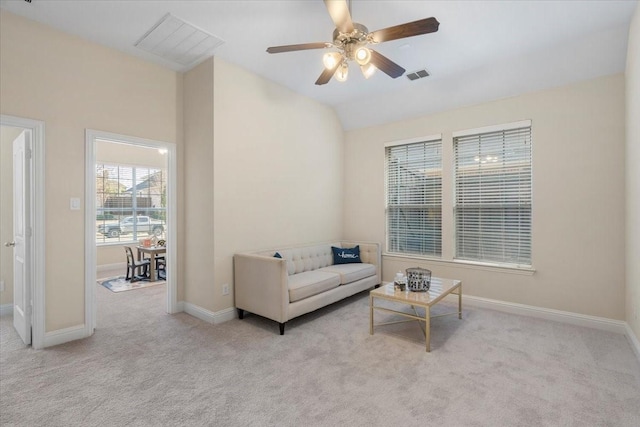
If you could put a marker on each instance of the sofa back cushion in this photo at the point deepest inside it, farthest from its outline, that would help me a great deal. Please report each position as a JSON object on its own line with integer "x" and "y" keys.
{"x": 307, "y": 258}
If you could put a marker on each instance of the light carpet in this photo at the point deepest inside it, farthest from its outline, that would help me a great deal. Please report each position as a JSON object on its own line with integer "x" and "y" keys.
{"x": 144, "y": 367}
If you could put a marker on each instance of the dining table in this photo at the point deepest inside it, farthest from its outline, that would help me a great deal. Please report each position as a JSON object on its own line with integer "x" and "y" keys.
{"x": 153, "y": 251}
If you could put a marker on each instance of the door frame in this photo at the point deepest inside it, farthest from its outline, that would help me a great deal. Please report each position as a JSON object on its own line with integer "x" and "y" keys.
{"x": 36, "y": 255}
{"x": 90, "y": 222}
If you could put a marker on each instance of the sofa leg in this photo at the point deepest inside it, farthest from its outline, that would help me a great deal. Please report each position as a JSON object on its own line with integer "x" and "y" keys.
{"x": 281, "y": 328}
{"x": 240, "y": 313}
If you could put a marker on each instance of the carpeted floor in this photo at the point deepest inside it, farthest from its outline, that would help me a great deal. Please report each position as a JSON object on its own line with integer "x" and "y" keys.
{"x": 144, "y": 367}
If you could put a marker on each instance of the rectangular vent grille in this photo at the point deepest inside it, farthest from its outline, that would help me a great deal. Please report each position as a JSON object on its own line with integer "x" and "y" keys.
{"x": 418, "y": 75}
{"x": 178, "y": 41}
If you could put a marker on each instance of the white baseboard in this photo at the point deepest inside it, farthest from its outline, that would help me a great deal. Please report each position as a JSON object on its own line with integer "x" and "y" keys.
{"x": 6, "y": 309}
{"x": 207, "y": 315}
{"x": 225, "y": 315}
{"x": 602, "y": 323}
{"x": 179, "y": 307}
{"x": 62, "y": 336}
{"x": 633, "y": 340}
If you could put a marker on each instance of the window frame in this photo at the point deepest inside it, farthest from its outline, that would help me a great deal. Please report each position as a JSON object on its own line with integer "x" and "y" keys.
{"x": 489, "y": 130}
{"x": 437, "y": 138}
{"x": 134, "y": 210}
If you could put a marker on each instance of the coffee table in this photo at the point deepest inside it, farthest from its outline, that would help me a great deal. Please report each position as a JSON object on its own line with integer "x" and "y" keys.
{"x": 439, "y": 289}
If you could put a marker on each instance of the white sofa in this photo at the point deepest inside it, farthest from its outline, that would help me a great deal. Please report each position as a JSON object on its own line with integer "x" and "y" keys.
{"x": 303, "y": 280}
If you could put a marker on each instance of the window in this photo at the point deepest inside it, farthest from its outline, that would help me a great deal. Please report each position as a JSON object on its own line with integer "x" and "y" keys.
{"x": 130, "y": 202}
{"x": 414, "y": 198}
{"x": 492, "y": 211}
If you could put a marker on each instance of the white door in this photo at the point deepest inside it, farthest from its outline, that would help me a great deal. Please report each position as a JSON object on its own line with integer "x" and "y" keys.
{"x": 21, "y": 227}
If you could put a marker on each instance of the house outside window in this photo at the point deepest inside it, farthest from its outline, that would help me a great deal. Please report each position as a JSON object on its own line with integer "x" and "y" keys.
{"x": 493, "y": 195}
{"x": 130, "y": 203}
{"x": 414, "y": 197}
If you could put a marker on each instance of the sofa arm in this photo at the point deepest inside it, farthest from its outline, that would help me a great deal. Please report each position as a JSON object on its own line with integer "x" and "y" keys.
{"x": 369, "y": 253}
{"x": 261, "y": 286}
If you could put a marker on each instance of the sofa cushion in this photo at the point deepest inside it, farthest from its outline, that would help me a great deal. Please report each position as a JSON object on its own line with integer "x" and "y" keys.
{"x": 309, "y": 283}
{"x": 351, "y": 272}
{"x": 307, "y": 258}
{"x": 346, "y": 255}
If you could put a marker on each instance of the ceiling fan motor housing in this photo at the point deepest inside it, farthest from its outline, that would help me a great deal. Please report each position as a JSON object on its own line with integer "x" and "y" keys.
{"x": 350, "y": 42}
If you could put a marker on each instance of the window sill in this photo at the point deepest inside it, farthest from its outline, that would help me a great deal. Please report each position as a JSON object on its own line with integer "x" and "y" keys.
{"x": 499, "y": 268}
{"x": 120, "y": 243}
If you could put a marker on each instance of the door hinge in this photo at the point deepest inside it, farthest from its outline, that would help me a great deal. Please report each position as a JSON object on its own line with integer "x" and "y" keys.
{"x": 28, "y": 153}
{"x": 29, "y": 232}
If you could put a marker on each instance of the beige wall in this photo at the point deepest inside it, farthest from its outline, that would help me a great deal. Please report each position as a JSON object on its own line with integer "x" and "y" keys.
{"x": 278, "y": 170}
{"x": 72, "y": 85}
{"x": 633, "y": 175}
{"x": 7, "y": 135}
{"x": 578, "y": 182}
{"x": 198, "y": 185}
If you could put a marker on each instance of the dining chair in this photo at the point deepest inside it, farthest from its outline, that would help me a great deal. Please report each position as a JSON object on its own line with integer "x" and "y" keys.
{"x": 161, "y": 269}
{"x": 161, "y": 262}
{"x": 133, "y": 265}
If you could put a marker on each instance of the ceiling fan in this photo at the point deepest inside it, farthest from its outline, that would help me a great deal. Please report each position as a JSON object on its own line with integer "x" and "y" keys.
{"x": 352, "y": 41}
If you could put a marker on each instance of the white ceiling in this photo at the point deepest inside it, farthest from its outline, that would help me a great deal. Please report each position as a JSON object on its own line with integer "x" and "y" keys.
{"x": 484, "y": 50}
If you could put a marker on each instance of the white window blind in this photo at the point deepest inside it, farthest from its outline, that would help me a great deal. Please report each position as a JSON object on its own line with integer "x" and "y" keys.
{"x": 493, "y": 196}
{"x": 130, "y": 202}
{"x": 414, "y": 198}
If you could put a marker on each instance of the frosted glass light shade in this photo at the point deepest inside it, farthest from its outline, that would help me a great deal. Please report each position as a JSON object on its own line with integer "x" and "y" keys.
{"x": 330, "y": 59}
{"x": 342, "y": 72}
{"x": 368, "y": 70}
{"x": 362, "y": 56}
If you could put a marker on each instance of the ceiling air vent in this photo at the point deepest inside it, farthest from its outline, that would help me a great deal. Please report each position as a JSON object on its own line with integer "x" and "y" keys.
{"x": 178, "y": 41}
{"x": 418, "y": 75}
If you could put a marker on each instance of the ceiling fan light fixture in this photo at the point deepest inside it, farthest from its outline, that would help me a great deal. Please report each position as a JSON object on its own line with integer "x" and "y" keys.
{"x": 368, "y": 70}
{"x": 330, "y": 59}
{"x": 363, "y": 56}
{"x": 342, "y": 72}
{"x": 351, "y": 40}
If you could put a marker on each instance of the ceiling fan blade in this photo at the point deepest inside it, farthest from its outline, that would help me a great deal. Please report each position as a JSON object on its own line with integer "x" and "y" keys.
{"x": 386, "y": 65}
{"x": 339, "y": 12}
{"x": 327, "y": 74}
{"x": 294, "y": 47}
{"x": 410, "y": 29}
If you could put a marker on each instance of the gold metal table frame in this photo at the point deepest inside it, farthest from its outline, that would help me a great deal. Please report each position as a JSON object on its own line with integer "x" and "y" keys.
{"x": 439, "y": 289}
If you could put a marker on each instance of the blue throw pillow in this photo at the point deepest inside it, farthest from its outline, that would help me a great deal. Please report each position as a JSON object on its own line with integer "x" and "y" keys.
{"x": 277, "y": 255}
{"x": 346, "y": 255}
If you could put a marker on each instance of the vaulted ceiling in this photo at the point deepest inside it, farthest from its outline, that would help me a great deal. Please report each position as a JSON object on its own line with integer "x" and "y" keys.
{"x": 484, "y": 50}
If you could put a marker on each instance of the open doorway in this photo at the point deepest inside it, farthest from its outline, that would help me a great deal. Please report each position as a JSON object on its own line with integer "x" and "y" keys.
{"x": 22, "y": 227}
{"x": 130, "y": 203}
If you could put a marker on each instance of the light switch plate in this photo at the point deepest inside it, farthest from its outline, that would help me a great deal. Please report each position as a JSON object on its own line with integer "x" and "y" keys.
{"x": 74, "y": 204}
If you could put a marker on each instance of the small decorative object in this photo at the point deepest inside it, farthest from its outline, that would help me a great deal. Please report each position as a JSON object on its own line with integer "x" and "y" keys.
{"x": 418, "y": 279}
{"x": 400, "y": 281}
